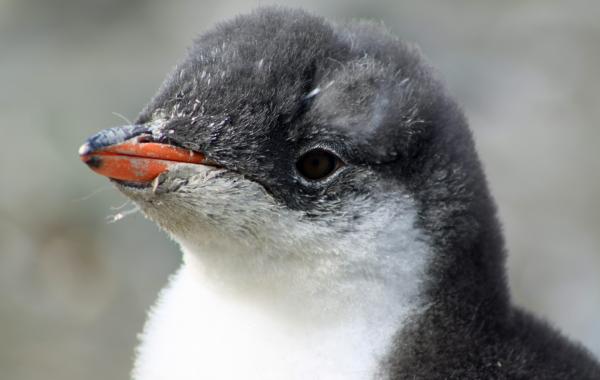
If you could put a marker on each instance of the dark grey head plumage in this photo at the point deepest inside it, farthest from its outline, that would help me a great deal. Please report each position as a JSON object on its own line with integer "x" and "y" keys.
{"x": 282, "y": 82}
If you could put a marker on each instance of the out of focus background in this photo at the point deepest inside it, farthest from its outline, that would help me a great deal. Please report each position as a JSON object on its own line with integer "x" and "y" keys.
{"x": 74, "y": 287}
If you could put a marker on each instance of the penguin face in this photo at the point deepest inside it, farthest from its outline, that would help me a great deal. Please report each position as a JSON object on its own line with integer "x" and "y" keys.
{"x": 283, "y": 101}
{"x": 263, "y": 94}
{"x": 311, "y": 136}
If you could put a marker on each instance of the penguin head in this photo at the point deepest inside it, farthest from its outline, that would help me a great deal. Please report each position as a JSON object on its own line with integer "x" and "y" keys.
{"x": 329, "y": 152}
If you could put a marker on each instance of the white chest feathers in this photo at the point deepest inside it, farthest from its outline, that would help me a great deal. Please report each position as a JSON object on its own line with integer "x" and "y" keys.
{"x": 194, "y": 333}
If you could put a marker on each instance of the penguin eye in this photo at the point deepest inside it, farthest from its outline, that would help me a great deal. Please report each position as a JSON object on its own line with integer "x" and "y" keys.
{"x": 317, "y": 164}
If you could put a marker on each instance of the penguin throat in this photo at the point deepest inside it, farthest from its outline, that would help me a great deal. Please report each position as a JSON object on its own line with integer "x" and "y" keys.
{"x": 313, "y": 303}
{"x": 208, "y": 333}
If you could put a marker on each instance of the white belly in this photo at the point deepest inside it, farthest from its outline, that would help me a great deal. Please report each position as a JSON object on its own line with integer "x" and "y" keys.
{"x": 194, "y": 333}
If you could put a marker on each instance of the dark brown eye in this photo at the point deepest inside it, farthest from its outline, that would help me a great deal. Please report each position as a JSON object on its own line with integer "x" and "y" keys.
{"x": 317, "y": 164}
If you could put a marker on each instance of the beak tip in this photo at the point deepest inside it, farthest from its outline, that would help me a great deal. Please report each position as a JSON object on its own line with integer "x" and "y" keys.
{"x": 84, "y": 149}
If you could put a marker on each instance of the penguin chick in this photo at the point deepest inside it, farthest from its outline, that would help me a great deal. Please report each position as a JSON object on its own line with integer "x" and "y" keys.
{"x": 333, "y": 215}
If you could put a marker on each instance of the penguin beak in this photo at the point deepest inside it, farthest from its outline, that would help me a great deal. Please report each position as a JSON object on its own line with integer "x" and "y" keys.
{"x": 133, "y": 154}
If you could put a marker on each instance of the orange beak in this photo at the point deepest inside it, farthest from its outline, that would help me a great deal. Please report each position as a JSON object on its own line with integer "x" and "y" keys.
{"x": 132, "y": 160}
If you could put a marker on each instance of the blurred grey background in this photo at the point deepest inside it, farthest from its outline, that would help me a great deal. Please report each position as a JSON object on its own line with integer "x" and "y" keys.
{"x": 74, "y": 288}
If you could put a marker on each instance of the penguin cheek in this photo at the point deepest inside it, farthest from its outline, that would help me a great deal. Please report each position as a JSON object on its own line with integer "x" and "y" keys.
{"x": 210, "y": 203}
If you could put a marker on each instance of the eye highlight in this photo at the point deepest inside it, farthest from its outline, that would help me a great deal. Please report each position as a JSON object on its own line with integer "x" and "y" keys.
{"x": 318, "y": 164}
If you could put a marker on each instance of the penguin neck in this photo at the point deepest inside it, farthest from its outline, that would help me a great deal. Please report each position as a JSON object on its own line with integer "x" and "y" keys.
{"x": 295, "y": 296}
{"x": 204, "y": 327}
{"x": 376, "y": 269}
{"x": 469, "y": 297}
{"x": 459, "y": 214}
{"x": 470, "y": 262}
{"x": 328, "y": 307}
